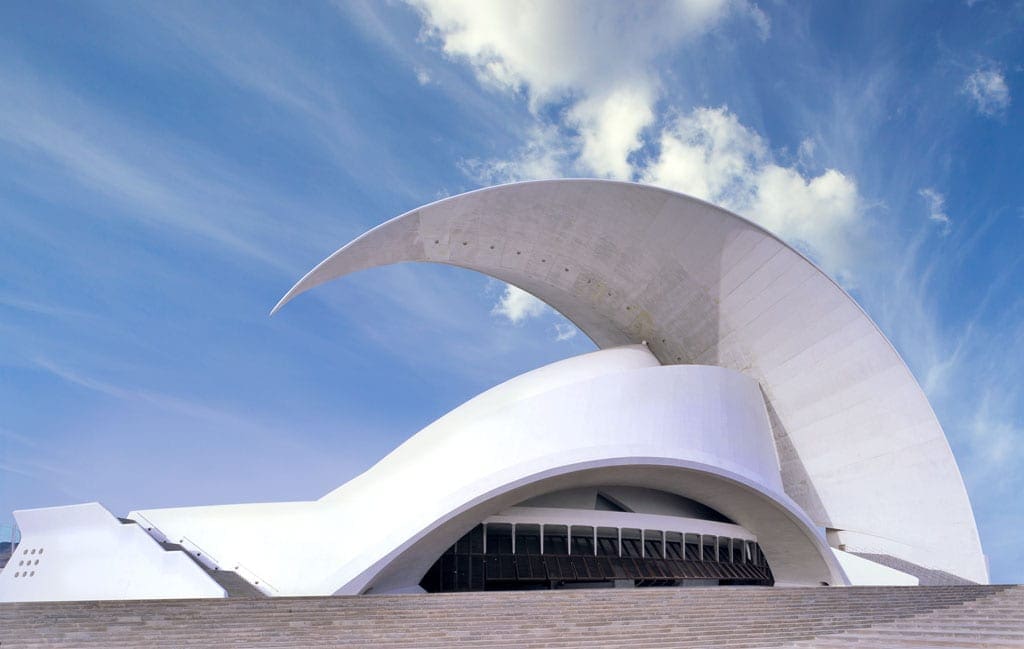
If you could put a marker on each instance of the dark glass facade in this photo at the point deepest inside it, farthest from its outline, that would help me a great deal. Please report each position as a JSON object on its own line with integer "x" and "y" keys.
{"x": 501, "y": 556}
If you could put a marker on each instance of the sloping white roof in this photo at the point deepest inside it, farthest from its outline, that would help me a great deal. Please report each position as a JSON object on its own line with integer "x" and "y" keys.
{"x": 859, "y": 446}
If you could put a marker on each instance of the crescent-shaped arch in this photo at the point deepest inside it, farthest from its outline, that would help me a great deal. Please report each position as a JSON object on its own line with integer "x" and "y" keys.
{"x": 860, "y": 448}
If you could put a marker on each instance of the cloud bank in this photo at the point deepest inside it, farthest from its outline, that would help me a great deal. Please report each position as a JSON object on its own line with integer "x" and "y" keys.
{"x": 592, "y": 81}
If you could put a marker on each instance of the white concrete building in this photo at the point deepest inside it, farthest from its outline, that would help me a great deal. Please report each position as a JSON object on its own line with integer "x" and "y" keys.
{"x": 744, "y": 422}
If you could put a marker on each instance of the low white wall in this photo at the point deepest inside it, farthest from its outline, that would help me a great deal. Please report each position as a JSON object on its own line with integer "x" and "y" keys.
{"x": 613, "y": 417}
{"x": 864, "y": 572}
{"x": 82, "y": 552}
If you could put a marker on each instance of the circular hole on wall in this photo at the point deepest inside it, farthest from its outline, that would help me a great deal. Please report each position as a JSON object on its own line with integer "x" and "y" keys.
{"x": 40, "y": 550}
{"x": 16, "y": 575}
{"x": 32, "y": 574}
{"x": 36, "y": 563}
{"x": 21, "y": 563}
{"x": 32, "y": 551}
{"x": 492, "y": 247}
{"x": 465, "y": 243}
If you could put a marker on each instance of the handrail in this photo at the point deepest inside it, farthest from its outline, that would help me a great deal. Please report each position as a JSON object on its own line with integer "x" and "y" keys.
{"x": 205, "y": 558}
{"x": 239, "y": 568}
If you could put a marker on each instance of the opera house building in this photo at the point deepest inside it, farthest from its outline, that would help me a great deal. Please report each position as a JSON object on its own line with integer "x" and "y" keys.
{"x": 743, "y": 422}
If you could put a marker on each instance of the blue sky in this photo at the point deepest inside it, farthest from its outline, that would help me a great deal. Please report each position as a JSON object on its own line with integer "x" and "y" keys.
{"x": 169, "y": 170}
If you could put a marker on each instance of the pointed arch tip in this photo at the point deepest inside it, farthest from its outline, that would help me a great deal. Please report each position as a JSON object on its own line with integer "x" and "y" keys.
{"x": 283, "y": 301}
{"x": 678, "y": 250}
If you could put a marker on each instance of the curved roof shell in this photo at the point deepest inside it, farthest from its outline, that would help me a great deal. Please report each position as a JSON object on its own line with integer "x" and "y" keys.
{"x": 859, "y": 446}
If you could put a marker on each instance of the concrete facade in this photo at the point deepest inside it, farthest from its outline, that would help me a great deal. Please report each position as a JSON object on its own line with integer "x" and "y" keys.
{"x": 732, "y": 372}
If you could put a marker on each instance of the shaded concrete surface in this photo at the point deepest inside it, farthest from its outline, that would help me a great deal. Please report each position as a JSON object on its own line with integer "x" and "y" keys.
{"x": 941, "y": 616}
{"x": 925, "y": 576}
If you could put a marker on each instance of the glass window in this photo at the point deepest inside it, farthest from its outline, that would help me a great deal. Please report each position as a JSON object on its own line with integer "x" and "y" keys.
{"x": 710, "y": 545}
{"x": 692, "y": 547}
{"x": 582, "y": 540}
{"x": 499, "y": 538}
{"x": 555, "y": 541}
{"x": 608, "y": 541}
{"x": 472, "y": 542}
{"x": 723, "y": 550}
{"x": 527, "y": 539}
{"x": 673, "y": 545}
{"x": 631, "y": 543}
{"x": 737, "y": 550}
{"x": 653, "y": 547}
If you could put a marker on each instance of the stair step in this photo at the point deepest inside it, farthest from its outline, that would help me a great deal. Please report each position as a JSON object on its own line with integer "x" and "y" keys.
{"x": 677, "y": 618}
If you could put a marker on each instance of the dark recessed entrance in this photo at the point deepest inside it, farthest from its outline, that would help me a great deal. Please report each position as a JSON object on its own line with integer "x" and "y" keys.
{"x": 505, "y": 557}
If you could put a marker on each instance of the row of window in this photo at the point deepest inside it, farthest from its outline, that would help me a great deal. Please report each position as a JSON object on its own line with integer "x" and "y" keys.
{"x": 462, "y": 572}
{"x": 557, "y": 540}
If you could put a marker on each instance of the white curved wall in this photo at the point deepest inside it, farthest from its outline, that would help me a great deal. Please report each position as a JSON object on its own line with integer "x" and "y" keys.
{"x": 861, "y": 449}
{"x": 611, "y": 417}
{"x": 82, "y": 552}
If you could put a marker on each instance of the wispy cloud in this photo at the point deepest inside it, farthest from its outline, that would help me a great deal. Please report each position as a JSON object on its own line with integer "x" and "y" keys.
{"x": 937, "y": 208}
{"x": 997, "y": 442}
{"x": 987, "y": 91}
{"x": 44, "y": 309}
{"x": 516, "y": 305}
{"x": 156, "y": 181}
{"x": 564, "y": 331}
{"x": 178, "y": 405}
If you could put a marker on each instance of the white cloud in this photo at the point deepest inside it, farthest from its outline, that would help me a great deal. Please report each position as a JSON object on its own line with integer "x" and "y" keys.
{"x": 564, "y": 331}
{"x": 422, "y": 76}
{"x": 988, "y": 91}
{"x": 709, "y": 154}
{"x": 590, "y": 76}
{"x": 937, "y": 208}
{"x": 517, "y": 305}
{"x": 544, "y": 154}
{"x": 596, "y": 58}
{"x": 609, "y": 127}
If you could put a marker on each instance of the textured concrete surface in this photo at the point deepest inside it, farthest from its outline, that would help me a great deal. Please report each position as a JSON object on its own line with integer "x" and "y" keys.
{"x": 944, "y": 616}
{"x": 859, "y": 446}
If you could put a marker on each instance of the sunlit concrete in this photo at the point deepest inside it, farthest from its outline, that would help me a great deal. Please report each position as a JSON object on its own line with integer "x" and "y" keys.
{"x": 861, "y": 450}
{"x": 731, "y": 372}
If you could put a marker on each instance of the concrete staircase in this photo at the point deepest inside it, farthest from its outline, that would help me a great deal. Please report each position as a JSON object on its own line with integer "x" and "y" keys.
{"x": 941, "y": 616}
{"x": 230, "y": 581}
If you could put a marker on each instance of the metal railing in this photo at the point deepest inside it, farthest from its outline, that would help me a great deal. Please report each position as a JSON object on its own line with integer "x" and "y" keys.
{"x": 205, "y": 558}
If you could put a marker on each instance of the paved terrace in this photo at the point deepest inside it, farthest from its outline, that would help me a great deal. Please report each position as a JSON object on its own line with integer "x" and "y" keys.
{"x": 939, "y": 616}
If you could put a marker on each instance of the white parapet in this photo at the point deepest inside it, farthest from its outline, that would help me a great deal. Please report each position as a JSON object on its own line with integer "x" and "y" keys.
{"x": 83, "y": 552}
{"x": 864, "y": 572}
{"x": 611, "y": 417}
